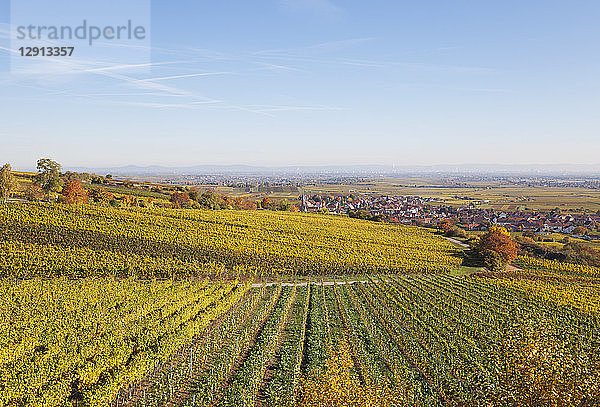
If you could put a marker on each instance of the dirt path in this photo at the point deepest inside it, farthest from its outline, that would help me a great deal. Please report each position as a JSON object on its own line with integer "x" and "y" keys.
{"x": 458, "y": 243}
{"x": 510, "y": 267}
{"x": 256, "y": 285}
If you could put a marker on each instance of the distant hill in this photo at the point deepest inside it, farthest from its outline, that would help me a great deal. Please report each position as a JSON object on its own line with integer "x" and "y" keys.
{"x": 492, "y": 169}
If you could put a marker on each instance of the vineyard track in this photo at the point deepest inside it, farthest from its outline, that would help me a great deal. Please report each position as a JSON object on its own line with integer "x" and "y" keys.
{"x": 351, "y": 337}
{"x": 324, "y": 283}
{"x": 458, "y": 243}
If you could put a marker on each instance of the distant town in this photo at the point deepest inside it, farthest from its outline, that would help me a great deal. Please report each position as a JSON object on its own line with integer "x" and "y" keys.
{"x": 421, "y": 211}
{"x": 340, "y": 194}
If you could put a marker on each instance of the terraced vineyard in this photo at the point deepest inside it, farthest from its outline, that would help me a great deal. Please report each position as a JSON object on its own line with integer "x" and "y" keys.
{"x": 85, "y": 240}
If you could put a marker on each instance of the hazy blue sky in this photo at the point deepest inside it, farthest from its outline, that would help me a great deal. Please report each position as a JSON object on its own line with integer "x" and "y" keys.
{"x": 280, "y": 82}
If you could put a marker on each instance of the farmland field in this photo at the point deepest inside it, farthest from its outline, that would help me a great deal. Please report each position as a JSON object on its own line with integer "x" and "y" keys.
{"x": 501, "y": 195}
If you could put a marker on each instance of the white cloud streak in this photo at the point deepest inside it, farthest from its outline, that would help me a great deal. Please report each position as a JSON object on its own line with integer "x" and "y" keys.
{"x": 165, "y": 78}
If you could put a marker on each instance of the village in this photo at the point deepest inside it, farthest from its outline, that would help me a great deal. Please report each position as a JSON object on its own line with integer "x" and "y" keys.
{"x": 415, "y": 210}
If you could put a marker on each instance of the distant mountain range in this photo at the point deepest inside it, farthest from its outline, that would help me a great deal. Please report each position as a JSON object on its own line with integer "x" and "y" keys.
{"x": 363, "y": 170}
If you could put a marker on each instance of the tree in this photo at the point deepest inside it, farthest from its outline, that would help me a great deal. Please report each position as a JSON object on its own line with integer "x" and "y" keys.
{"x": 360, "y": 214}
{"x": 100, "y": 195}
{"x": 493, "y": 260}
{"x": 244, "y": 204}
{"x": 265, "y": 203}
{"x": 285, "y": 205}
{"x": 8, "y": 183}
{"x": 444, "y": 225}
{"x": 211, "y": 200}
{"x": 455, "y": 231}
{"x": 96, "y": 179}
{"x": 451, "y": 230}
{"x": 74, "y": 192}
{"x": 79, "y": 176}
{"x": 180, "y": 199}
{"x": 130, "y": 200}
{"x": 580, "y": 230}
{"x": 194, "y": 195}
{"x": 48, "y": 177}
{"x": 34, "y": 192}
{"x": 581, "y": 253}
{"x": 497, "y": 248}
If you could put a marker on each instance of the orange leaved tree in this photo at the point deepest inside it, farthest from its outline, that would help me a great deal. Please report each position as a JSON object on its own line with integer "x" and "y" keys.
{"x": 74, "y": 192}
{"x": 497, "y": 248}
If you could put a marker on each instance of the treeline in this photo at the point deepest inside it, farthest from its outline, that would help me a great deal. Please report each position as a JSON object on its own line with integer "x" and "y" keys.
{"x": 211, "y": 200}
{"x": 52, "y": 185}
{"x": 571, "y": 251}
{"x": 366, "y": 215}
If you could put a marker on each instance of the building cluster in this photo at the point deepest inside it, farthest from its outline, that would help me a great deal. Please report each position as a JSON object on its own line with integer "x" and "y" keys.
{"x": 424, "y": 211}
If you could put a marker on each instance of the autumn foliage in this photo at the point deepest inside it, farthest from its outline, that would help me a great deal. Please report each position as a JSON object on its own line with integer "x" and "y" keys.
{"x": 180, "y": 199}
{"x": 338, "y": 385}
{"x": 74, "y": 192}
{"x": 445, "y": 226}
{"x": 497, "y": 247}
{"x": 100, "y": 195}
{"x": 538, "y": 369}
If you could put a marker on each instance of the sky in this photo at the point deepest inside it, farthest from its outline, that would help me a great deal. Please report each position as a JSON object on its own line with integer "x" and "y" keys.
{"x": 317, "y": 82}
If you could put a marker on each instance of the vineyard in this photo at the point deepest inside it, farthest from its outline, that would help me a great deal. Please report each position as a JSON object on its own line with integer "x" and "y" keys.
{"x": 397, "y": 340}
{"x": 147, "y": 307}
{"x": 557, "y": 266}
{"x": 82, "y": 241}
{"x": 84, "y": 340}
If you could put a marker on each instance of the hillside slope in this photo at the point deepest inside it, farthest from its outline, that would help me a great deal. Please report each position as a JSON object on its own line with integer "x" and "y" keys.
{"x": 84, "y": 240}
